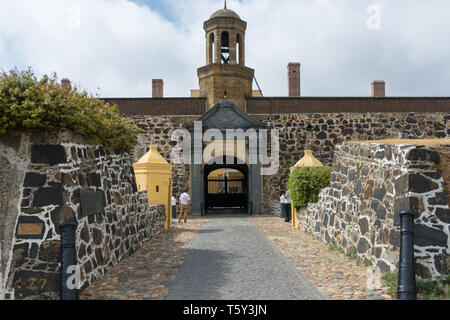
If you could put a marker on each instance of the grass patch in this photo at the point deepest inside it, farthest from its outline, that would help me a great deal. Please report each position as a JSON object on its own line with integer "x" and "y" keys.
{"x": 434, "y": 290}
{"x": 336, "y": 248}
{"x": 427, "y": 288}
{"x": 364, "y": 262}
{"x": 391, "y": 280}
{"x": 353, "y": 256}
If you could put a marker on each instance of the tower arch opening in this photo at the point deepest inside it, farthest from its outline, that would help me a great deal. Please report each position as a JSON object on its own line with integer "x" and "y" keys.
{"x": 225, "y": 47}
{"x": 211, "y": 45}
{"x": 239, "y": 56}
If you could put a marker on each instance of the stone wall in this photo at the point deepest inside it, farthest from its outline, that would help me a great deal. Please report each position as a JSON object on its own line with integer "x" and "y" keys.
{"x": 322, "y": 132}
{"x": 12, "y": 168}
{"x": 158, "y": 131}
{"x": 444, "y": 167}
{"x": 370, "y": 185}
{"x": 56, "y": 176}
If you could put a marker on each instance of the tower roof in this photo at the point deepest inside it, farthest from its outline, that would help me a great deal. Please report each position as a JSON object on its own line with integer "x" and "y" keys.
{"x": 225, "y": 13}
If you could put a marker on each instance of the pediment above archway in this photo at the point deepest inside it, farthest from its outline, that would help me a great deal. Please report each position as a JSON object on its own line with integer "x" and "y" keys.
{"x": 227, "y": 115}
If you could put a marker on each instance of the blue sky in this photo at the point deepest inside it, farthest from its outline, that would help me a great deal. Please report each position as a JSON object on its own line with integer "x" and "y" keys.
{"x": 168, "y": 9}
{"x": 116, "y": 47}
{"x": 163, "y": 7}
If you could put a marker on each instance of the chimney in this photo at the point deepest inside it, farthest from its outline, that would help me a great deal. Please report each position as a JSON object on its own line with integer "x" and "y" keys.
{"x": 65, "y": 83}
{"x": 378, "y": 89}
{"x": 158, "y": 88}
{"x": 294, "y": 79}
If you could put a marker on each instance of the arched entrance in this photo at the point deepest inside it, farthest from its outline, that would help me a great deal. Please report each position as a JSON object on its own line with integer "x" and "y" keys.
{"x": 226, "y": 185}
{"x": 223, "y": 117}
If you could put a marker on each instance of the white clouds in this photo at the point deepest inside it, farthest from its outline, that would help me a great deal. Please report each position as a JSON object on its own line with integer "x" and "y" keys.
{"x": 121, "y": 46}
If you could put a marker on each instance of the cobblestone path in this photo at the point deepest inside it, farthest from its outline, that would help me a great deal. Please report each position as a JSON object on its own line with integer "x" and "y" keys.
{"x": 229, "y": 257}
{"x": 232, "y": 260}
{"x": 335, "y": 275}
{"x": 150, "y": 271}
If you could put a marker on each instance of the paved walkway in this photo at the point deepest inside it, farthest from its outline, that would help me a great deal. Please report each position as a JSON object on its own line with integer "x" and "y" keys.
{"x": 232, "y": 260}
{"x": 235, "y": 257}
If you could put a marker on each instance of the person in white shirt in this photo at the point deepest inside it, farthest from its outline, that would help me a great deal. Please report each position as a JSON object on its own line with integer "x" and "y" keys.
{"x": 185, "y": 202}
{"x": 287, "y": 199}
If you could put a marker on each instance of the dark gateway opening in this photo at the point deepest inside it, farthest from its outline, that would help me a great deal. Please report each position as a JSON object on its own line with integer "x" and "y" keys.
{"x": 226, "y": 186}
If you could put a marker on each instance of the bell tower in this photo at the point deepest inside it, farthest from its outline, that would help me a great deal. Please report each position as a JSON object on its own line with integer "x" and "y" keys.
{"x": 225, "y": 75}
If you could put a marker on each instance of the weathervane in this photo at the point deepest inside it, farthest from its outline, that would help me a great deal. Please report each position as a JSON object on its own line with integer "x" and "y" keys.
{"x": 225, "y": 4}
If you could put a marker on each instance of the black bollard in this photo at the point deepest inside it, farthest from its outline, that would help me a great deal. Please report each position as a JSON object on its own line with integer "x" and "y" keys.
{"x": 68, "y": 259}
{"x": 406, "y": 275}
{"x": 174, "y": 212}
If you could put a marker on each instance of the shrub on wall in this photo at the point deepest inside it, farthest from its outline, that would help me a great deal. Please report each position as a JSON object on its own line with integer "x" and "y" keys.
{"x": 27, "y": 102}
{"x": 305, "y": 183}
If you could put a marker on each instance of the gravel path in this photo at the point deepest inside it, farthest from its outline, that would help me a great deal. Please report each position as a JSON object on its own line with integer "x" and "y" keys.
{"x": 232, "y": 260}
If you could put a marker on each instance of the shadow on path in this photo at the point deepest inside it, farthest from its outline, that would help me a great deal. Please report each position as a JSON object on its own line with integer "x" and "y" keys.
{"x": 202, "y": 275}
{"x": 232, "y": 260}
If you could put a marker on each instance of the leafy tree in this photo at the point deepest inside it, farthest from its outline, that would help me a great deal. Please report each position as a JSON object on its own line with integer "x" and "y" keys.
{"x": 305, "y": 183}
{"x": 29, "y": 103}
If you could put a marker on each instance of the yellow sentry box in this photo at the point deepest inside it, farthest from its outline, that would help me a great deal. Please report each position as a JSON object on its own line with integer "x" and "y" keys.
{"x": 154, "y": 174}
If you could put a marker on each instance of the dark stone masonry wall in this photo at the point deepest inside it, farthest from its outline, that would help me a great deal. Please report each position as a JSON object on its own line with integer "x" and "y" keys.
{"x": 321, "y": 133}
{"x": 157, "y": 130}
{"x": 57, "y": 176}
{"x": 444, "y": 166}
{"x": 370, "y": 185}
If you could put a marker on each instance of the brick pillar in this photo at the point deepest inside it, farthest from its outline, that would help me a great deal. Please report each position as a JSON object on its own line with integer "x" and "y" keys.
{"x": 294, "y": 79}
{"x": 378, "y": 89}
{"x": 158, "y": 88}
{"x": 65, "y": 83}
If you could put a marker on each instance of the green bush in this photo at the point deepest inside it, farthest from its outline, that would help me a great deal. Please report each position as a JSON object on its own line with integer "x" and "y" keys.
{"x": 305, "y": 183}
{"x": 27, "y": 102}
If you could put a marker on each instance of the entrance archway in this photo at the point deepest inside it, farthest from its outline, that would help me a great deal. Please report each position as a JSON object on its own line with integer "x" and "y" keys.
{"x": 224, "y": 116}
{"x": 226, "y": 185}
